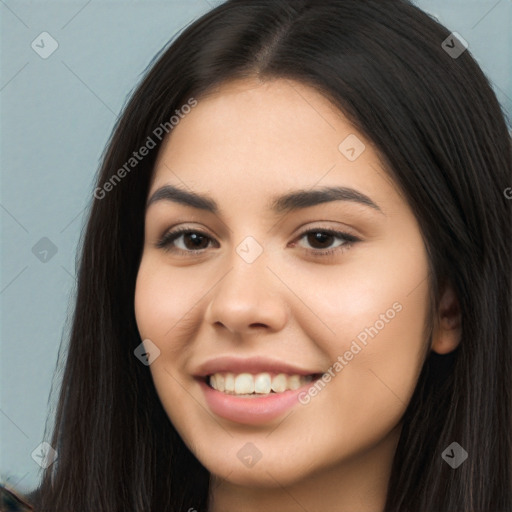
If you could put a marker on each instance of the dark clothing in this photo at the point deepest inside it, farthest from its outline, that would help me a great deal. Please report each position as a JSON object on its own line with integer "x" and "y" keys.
{"x": 13, "y": 501}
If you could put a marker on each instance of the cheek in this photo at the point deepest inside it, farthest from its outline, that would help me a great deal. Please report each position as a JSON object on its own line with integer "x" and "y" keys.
{"x": 163, "y": 302}
{"x": 164, "y": 298}
{"x": 375, "y": 307}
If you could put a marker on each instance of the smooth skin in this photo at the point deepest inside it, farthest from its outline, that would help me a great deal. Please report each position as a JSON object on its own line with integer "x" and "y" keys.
{"x": 243, "y": 145}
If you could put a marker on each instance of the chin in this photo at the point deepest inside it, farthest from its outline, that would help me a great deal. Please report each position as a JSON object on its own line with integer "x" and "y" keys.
{"x": 269, "y": 471}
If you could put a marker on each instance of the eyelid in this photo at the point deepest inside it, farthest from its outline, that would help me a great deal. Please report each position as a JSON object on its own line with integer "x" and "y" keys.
{"x": 344, "y": 229}
{"x": 349, "y": 240}
{"x": 173, "y": 234}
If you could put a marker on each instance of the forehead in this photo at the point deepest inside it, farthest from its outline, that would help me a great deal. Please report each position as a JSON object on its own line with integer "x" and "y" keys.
{"x": 248, "y": 110}
{"x": 250, "y": 137}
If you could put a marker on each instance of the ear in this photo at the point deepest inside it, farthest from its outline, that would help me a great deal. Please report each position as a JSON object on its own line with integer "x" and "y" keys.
{"x": 447, "y": 331}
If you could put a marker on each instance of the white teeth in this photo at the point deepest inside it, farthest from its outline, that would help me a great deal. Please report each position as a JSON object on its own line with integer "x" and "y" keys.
{"x": 229, "y": 383}
{"x": 220, "y": 382}
{"x": 294, "y": 382}
{"x": 244, "y": 383}
{"x": 279, "y": 383}
{"x": 261, "y": 383}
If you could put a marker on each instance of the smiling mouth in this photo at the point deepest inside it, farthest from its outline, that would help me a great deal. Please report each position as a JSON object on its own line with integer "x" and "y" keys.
{"x": 257, "y": 385}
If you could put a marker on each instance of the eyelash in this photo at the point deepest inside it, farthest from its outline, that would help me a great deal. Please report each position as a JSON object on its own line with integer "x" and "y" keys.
{"x": 166, "y": 241}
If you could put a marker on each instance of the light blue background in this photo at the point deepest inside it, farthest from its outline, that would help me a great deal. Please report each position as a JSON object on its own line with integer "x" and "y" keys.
{"x": 56, "y": 116}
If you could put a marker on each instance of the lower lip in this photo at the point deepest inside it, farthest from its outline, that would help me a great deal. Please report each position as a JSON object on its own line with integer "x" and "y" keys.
{"x": 251, "y": 411}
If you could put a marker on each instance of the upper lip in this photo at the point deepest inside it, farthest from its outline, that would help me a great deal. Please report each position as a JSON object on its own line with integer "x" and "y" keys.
{"x": 257, "y": 364}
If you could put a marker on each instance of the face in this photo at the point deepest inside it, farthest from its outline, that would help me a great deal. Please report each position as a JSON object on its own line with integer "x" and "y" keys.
{"x": 329, "y": 289}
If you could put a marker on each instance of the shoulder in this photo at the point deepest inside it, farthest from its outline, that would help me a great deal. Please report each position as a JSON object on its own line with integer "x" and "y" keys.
{"x": 13, "y": 501}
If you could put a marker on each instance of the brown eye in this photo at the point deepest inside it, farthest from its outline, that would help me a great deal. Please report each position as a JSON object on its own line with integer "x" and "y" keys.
{"x": 184, "y": 240}
{"x": 321, "y": 240}
{"x": 190, "y": 242}
{"x": 194, "y": 241}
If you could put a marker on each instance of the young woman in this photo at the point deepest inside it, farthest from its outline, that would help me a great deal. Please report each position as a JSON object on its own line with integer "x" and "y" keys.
{"x": 294, "y": 288}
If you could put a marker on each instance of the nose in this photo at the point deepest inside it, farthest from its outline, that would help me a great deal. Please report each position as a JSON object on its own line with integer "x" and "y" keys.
{"x": 249, "y": 297}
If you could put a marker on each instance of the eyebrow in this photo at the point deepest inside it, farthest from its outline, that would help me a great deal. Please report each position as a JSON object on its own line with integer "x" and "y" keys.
{"x": 292, "y": 201}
